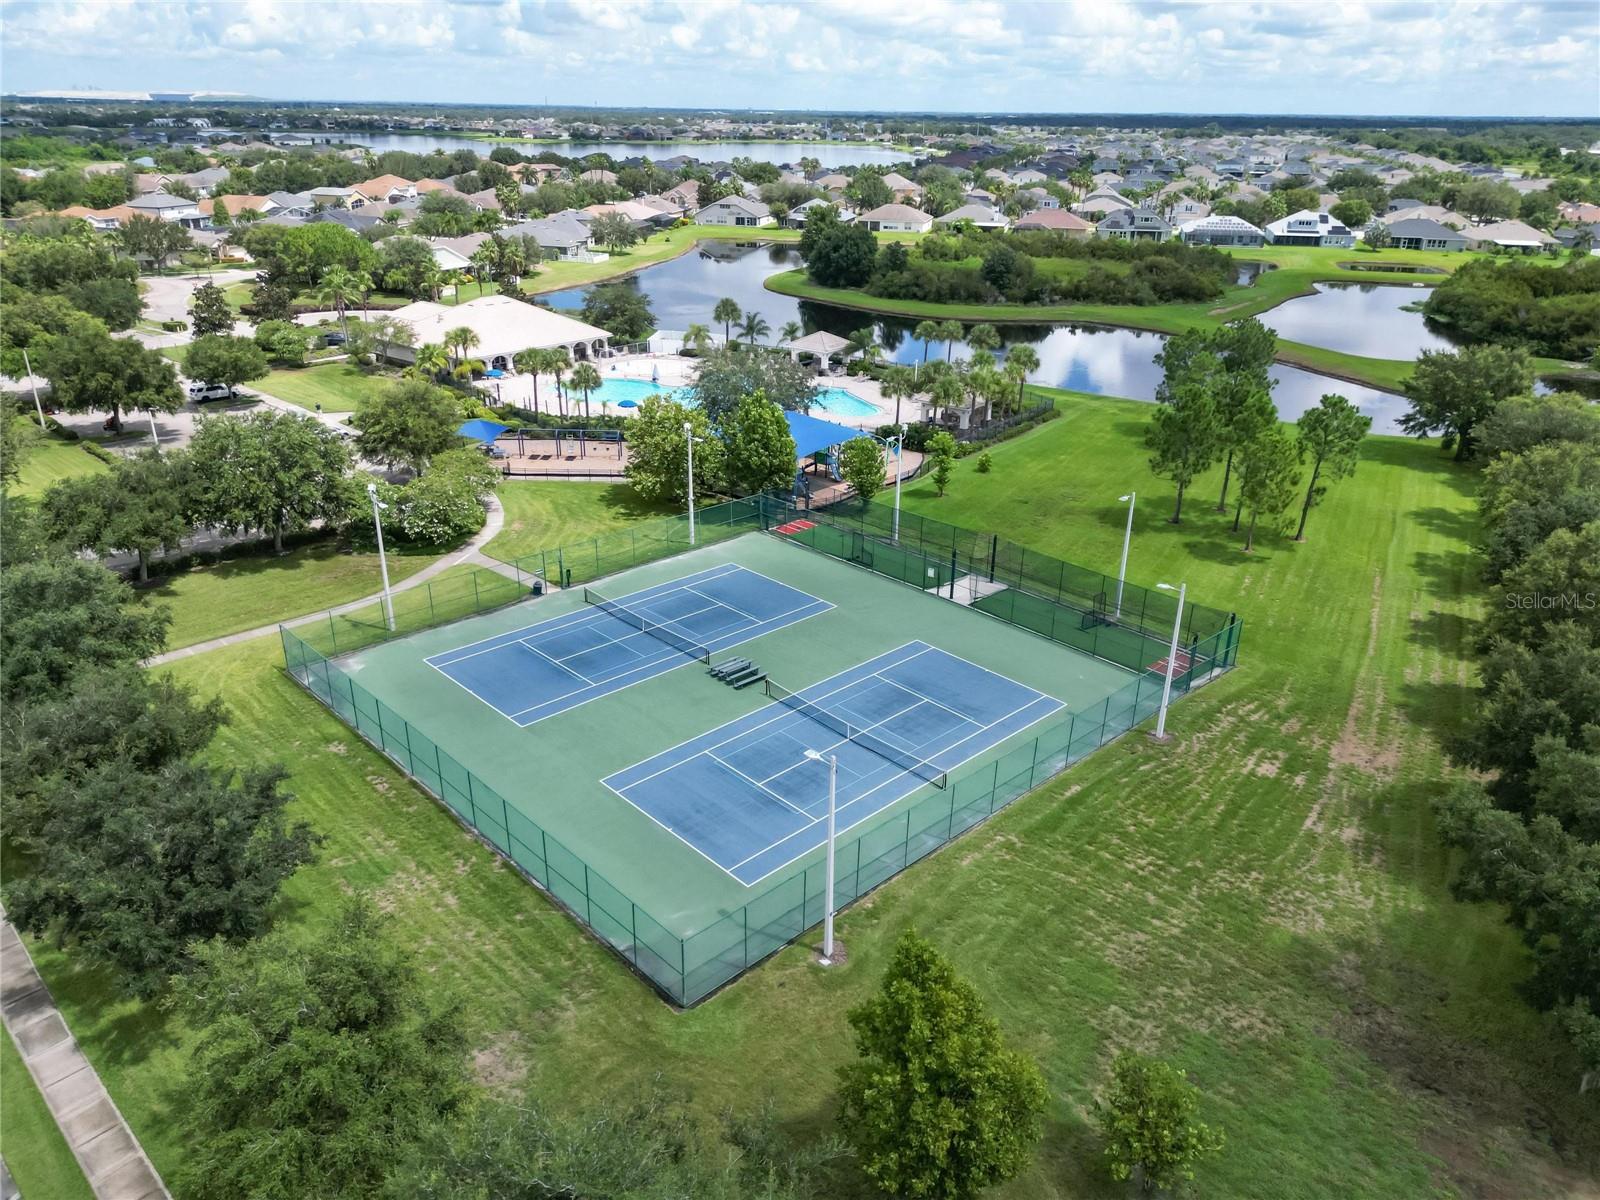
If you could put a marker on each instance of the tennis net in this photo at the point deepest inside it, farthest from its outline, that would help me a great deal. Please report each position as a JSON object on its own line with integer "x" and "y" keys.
{"x": 655, "y": 629}
{"x": 919, "y": 767}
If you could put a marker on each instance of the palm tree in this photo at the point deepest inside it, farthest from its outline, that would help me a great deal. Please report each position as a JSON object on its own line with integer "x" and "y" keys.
{"x": 363, "y": 284}
{"x": 753, "y": 328}
{"x": 863, "y": 341}
{"x": 725, "y": 314}
{"x": 531, "y": 362}
{"x": 984, "y": 337}
{"x": 697, "y": 338}
{"x": 558, "y": 364}
{"x": 1021, "y": 361}
{"x": 790, "y": 331}
{"x": 431, "y": 361}
{"x": 927, "y": 332}
{"x": 339, "y": 287}
{"x": 586, "y": 379}
{"x": 950, "y": 332}
{"x": 467, "y": 369}
{"x": 461, "y": 339}
{"x": 946, "y": 392}
{"x": 897, "y": 384}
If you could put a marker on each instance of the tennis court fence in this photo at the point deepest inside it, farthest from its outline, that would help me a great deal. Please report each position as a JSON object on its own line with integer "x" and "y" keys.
{"x": 688, "y": 964}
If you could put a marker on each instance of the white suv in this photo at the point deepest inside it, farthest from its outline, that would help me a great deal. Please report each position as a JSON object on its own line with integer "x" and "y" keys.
{"x": 200, "y": 392}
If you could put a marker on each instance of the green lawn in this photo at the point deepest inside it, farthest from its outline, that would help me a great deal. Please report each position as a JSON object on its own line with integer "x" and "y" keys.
{"x": 541, "y": 516}
{"x": 50, "y": 459}
{"x": 41, "y": 1163}
{"x": 338, "y": 387}
{"x": 1263, "y": 901}
{"x": 252, "y": 589}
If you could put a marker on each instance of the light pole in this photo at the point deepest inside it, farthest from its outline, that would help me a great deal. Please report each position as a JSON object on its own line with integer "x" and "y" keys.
{"x": 1172, "y": 659}
{"x": 37, "y": 407}
{"x": 689, "y": 440}
{"x": 899, "y": 444}
{"x": 1127, "y": 537}
{"x": 154, "y": 435}
{"x": 833, "y": 790}
{"x": 383, "y": 562}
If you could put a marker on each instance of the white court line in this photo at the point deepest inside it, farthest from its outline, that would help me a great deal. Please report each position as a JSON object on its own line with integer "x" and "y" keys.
{"x": 1049, "y": 712}
{"x": 516, "y": 635}
{"x": 774, "y": 719}
{"x": 758, "y": 786}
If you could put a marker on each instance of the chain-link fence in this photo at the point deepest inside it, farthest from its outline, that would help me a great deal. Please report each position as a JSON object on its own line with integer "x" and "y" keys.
{"x": 1047, "y": 596}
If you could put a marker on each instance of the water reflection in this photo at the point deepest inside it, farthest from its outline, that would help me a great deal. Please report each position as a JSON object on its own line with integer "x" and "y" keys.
{"x": 1112, "y": 362}
{"x": 1360, "y": 318}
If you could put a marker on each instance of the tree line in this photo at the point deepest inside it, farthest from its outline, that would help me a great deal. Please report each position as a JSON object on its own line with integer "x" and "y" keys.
{"x": 1528, "y": 820}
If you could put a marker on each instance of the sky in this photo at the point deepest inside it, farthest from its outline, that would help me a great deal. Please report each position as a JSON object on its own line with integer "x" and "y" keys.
{"x": 1446, "y": 57}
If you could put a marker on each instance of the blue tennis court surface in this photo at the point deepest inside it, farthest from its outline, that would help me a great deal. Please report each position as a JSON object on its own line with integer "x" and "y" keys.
{"x": 540, "y": 670}
{"x": 747, "y": 797}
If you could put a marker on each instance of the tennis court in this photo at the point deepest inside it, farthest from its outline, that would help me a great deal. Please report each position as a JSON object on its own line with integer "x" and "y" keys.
{"x": 547, "y": 668}
{"x": 752, "y": 796}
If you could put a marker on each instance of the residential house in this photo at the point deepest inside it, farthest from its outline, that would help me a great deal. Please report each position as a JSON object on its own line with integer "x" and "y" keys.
{"x": 896, "y": 218}
{"x": 1586, "y": 234}
{"x": 292, "y": 204}
{"x": 1100, "y": 202}
{"x": 387, "y": 189}
{"x": 979, "y": 215}
{"x": 232, "y": 206}
{"x": 1509, "y": 235}
{"x": 485, "y": 201}
{"x": 1184, "y": 210}
{"x": 1401, "y": 203}
{"x": 647, "y": 216}
{"x": 903, "y": 188}
{"x": 686, "y": 195}
{"x": 801, "y": 213}
{"x": 162, "y": 207}
{"x": 1428, "y": 212}
{"x": 203, "y": 183}
{"x": 1037, "y": 195}
{"x": 355, "y": 222}
{"x": 1134, "y": 225}
{"x": 103, "y": 220}
{"x": 832, "y": 181}
{"x": 1054, "y": 220}
{"x": 1308, "y": 228}
{"x": 600, "y": 176}
{"x": 341, "y": 197}
{"x": 735, "y": 210}
{"x": 146, "y": 182}
{"x": 1221, "y": 231}
{"x": 1028, "y": 177}
{"x": 1419, "y": 233}
{"x": 1579, "y": 213}
{"x": 560, "y": 236}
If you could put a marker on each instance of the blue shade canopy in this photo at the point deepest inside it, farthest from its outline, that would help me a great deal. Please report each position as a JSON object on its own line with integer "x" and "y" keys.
{"x": 812, "y": 434}
{"x": 482, "y": 430}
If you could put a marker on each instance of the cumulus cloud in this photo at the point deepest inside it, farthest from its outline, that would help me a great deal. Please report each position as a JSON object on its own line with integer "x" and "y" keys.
{"x": 1452, "y": 56}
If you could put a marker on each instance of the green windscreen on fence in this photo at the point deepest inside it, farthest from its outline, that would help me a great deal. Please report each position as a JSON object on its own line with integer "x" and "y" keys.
{"x": 689, "y": 964}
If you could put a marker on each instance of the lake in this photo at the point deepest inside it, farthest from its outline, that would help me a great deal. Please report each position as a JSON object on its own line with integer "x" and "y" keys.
{"x": 1359, "y": 318}
{"x": 828, "y": 154}
{"x": 1105, "y": 361}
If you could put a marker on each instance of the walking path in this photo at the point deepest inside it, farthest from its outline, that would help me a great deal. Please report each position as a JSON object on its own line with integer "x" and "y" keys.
{"x": 112, "y": 1159}
{"x": 470, "y": 554}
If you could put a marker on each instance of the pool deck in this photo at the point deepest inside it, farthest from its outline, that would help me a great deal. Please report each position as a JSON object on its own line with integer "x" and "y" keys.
{"x": 675, "y": 371}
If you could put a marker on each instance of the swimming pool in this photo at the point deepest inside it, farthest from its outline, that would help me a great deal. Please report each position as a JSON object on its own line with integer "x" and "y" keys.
{"x": 836, "y": 402}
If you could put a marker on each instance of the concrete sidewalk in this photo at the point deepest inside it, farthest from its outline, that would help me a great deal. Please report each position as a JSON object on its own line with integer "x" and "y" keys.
{"x": 112, "y": 1159}
{"x": 471, "y": 553}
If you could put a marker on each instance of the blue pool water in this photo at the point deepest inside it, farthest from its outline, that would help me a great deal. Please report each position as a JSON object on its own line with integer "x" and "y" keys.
{"x": 835, "y": 402}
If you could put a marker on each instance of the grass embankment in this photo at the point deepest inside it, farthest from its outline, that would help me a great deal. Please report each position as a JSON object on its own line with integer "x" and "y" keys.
{"x": 1264, "y": 901}
{"x": 50, "y": 459}
{"x": 544, "y": 515}
{"x": 40, "y": 1161}
{"x": 338, "y": 387}
{"x": 252, "y": 588}
{"x": 1298, "y": 270}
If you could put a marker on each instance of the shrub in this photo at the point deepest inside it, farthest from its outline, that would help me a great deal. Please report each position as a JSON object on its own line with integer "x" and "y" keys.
{"x": 985, "y": 463}
{"x": 1147, "y": 1117}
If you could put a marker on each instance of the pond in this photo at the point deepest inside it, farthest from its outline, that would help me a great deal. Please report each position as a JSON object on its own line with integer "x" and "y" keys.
{"x": 1369, "y": 319}
{"x": 828, "y": 154}
{"x": 1113, "y": 362}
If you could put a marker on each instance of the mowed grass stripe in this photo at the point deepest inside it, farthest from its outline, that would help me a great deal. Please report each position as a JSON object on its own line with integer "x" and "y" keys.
{"x": 1263, "y": 902}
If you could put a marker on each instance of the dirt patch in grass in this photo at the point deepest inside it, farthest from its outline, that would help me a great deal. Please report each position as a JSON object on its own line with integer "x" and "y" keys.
{"x": 502, "y": 1065}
